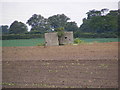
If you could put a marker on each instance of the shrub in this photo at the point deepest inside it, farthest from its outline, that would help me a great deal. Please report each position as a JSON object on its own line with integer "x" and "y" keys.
{"x": 40, "y": 44}
{"x": 60, "y": 32}
{"x": 78, "y": 41}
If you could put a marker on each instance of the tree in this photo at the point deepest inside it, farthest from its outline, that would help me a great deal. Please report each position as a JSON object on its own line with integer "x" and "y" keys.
{"x": 60, "y": 33}
{"x": 38, "y": 23}
{"x": 57, "y": 21}
{"x": 101, "y": 23}
{"x": 5, "y": 29}
{"x": 93, "y": 13}
{"x": 18, "y": 28}
{"x": 104, "y": 11}
{"x": 71, "y": 26}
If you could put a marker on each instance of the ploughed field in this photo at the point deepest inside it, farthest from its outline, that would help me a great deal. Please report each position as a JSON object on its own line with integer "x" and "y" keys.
{"x": 71, "y": 66}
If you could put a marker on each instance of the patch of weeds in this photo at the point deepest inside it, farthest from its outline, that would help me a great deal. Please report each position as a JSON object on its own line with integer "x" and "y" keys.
{"x": 41, "y": 44}
{"x": 78, "y": 41}
{"x": 103, "y": 65}
{"x": 26, "y": 84}
{"x": 52, "y": 70}
{"x": 69, "y": 87}
{"x": 72, "y": 87}
{"x": 34, "y": 84}
{"x": 49, "y": 70}
{"x": 53, "y": 86}
{"x": 44, "y": 85}
{"x": 90, "y": 86}
{"x": 9, "y": 84}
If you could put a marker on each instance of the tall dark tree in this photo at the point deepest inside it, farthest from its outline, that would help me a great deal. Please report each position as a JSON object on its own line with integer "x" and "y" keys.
{"x": 57, "y": 21}
{"x": 38, "y": 23}
{"x": 104, "y": 11}
{"x": 71, "y": 26}
{"x": 18, "y": 28}
{"x": 5, "y": 29}
{"x": 99, "y": 24}
{"x": 93, "y": 13}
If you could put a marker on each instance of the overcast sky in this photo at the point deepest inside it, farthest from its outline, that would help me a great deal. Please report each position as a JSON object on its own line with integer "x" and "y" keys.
{"x": 22, "y": 10}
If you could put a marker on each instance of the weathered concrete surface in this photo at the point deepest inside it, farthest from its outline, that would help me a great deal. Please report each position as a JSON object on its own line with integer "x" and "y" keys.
{"x": 51, "y": 39}
{"x": 67, "y": 38}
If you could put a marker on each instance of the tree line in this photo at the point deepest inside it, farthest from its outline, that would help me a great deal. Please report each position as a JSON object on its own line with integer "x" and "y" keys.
{"x": 98, "y": 23}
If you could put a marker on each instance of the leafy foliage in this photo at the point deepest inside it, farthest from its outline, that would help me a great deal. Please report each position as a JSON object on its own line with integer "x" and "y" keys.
{"x": 40, "y": 44}
{"x": 102, "y": 23}
{"x": 5, "y": 29}
{"x": 99, "y": 24}
{"x": 17, "y": 28}
{"x": 71, "y": 26}
{"x": 77, "y": 41}
{"x": 57, "y": 21}
{"x": 38, "y": 23}
{"x": 60, "y": 32}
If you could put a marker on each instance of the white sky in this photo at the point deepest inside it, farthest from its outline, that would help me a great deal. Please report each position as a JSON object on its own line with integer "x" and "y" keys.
{"x": 21, "y": 10}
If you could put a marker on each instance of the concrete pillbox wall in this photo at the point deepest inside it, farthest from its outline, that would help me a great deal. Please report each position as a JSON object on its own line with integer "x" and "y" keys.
{"x": 51, "y": 39}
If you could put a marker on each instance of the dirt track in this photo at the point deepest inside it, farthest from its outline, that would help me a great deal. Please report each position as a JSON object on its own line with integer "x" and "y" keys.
{"x": 85, "y": 65}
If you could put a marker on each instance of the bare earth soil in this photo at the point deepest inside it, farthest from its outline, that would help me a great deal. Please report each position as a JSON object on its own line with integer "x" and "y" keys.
{"x": 71, "y": 66}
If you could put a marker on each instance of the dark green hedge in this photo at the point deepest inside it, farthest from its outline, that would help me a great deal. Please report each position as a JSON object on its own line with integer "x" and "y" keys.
{"x": 95, "y": 35}
{"x": 76, "y": 35}
{"x": 21, "y": 36}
